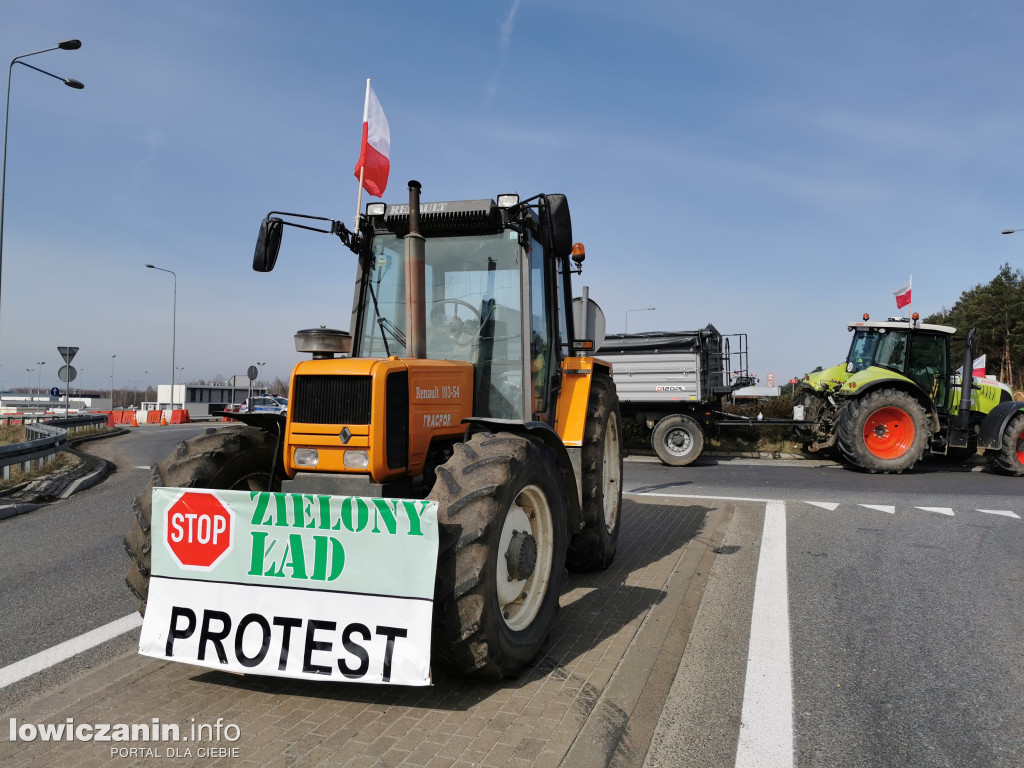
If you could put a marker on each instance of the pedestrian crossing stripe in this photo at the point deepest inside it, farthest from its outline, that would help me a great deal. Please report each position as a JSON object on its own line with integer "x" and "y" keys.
{"x": 879, "y": 508}
{"x": 832, "y": 506}
{"x": 937, "y": 510}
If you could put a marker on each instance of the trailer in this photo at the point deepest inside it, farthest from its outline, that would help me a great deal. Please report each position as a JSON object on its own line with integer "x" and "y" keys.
{"x": 674, "y": 382}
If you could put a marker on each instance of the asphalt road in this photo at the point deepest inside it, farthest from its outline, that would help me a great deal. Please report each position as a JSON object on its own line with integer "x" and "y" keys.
{"x": 904, "y": 616}
{"x": 62, "y": 566}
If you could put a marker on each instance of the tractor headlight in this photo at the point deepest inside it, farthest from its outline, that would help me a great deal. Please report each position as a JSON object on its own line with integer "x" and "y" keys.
{"x": 375, "y": 209}
{"x": 306, "y": 457}
{"x": 356, "y": 459}
{"x": 508, "y": 201}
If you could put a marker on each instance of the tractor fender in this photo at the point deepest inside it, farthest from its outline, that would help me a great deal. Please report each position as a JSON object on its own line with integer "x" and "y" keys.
{"x": 904, "y": 386}
{"x": 994, "y": 425}
{"x": 538, "y": 430}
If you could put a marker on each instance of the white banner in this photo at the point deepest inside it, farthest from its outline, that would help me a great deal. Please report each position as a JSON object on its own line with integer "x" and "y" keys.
{"x": 292, "y": 585}
{"x": 283, "y": 632}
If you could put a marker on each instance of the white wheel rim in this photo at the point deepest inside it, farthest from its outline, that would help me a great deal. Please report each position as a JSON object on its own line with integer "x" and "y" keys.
{"x": 611, "y": 472}
{"x": 520, "y": 600}
{"x": 679, "y": 441}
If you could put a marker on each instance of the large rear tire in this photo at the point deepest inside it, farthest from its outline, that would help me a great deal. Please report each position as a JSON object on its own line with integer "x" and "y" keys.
{"x": 593, "y": 548}
{"x": 231, "y": 458}
{"x": 678, "y": 440}
{"x": 501, "y": 559}
{"x": 1009, "y": 460}
{"x": 884, "y": 432}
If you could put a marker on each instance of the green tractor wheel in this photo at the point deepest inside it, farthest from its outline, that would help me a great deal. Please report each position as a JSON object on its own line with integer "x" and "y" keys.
{"x": 884, "y": 431}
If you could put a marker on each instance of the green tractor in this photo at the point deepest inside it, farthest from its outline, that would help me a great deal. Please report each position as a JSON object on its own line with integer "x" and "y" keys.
{"x": 898, "y": 396}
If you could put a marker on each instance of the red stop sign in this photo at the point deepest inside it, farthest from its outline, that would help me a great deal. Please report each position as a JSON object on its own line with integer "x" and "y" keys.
{"x": 199, "y": 530}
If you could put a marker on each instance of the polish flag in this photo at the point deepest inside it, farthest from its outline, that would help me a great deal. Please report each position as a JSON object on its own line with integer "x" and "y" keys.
{"x": 979, "y": 367}
{"x": 374, "y": 164}
{"x": 903, "y": 295}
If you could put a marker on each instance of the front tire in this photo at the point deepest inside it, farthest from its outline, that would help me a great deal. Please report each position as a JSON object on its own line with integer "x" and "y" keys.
{"x": 884, "y": 432}
{"x": 1009, "y": 460}
{"x": 501, "y": 559}
{"x": 593, "y": 548}
{"x": 231, "y": 458}
{"x": 678, "y": 440}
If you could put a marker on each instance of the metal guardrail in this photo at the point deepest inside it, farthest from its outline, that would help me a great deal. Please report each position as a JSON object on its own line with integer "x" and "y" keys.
{"x": 47, "y": 439}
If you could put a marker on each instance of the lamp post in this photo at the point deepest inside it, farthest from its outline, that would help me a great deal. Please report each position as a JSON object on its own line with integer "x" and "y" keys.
{"x": 66, "y": 45}
{"x": 174, "y": 324}
{"x": 260, "y": 365}
{"x": 641, "y": 309}
{"x": 40, "y": 369}
{"x": 112, "y": 357}
{"x": 29, "y": 388}
{"x": 1011, "y": 231}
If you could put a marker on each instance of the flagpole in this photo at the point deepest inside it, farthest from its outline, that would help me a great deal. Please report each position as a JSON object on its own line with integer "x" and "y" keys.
{"x": 909, "y": 304}
{"x": 362, "y": 168}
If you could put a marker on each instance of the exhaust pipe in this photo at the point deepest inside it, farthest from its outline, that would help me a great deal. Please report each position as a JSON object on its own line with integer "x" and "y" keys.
{"x": 415, "y": 279}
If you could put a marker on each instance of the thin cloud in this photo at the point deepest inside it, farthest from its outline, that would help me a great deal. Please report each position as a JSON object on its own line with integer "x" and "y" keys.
{"x": 504, "y": 38}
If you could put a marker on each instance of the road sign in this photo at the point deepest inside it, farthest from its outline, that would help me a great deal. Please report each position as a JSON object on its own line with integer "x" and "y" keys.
{"x": 253, "y": 372}
{"x": 68, "y": 372}
{"x": 54, "y": 392}
{"x": 199, "y": 530}
{"x": 771, "y": 379}
{"x": 68, "y": 353}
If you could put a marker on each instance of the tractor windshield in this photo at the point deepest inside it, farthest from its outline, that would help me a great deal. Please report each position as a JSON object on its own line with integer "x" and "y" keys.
{"x": 474, "y": 311}
{"x": 862, "y": 351}
{"x": 877, "y": 346}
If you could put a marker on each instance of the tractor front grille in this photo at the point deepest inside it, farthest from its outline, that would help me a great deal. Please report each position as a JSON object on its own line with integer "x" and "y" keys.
{"x": 332, "y": 399}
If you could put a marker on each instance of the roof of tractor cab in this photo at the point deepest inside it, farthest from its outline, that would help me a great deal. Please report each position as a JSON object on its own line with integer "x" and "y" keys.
{"x": 901, "y": 326}
{"x": 454, "y": 217}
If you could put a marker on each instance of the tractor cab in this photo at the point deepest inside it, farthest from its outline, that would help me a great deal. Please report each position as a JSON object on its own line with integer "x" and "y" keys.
{"x": 496, "y": 289}
{"x": 917, "y": 354}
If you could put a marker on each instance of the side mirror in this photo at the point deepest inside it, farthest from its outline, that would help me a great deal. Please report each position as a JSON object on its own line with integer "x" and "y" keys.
{"x": 561, "y": 225}
{"x": 268, "y": 244}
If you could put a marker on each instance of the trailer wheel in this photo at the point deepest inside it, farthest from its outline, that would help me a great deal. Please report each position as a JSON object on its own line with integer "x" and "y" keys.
{"x": 593, "y": 548}
{"x": 501, "y": 558}
{"x": 885, "y": 431}
{"x": 1009, "y": 460}
{"x": 678, "y": 440}
{"x": 230, "y": 458}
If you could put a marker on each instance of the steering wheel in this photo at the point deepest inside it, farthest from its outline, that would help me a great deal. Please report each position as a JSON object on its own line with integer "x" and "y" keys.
{"x": 441, "y": 302}
{"x": 464, "y": 333}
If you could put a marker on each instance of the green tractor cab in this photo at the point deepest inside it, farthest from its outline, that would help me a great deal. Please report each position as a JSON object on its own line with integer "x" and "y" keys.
{"x": 899, "y": 396}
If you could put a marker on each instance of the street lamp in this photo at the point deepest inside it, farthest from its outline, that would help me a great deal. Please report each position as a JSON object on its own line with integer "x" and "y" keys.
{"x": 66, "y": 45}
{"x": 40, "y": 369}
{"x": 174, "y": 324}
{"x": 112, "y": 357}
{"x": 29, "y": 387}
{"x": 642, "y": 309}
{"x": 1011, "y": 231}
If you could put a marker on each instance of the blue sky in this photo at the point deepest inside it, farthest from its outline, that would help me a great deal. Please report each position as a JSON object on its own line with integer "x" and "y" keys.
{"x": 771, "y": 168}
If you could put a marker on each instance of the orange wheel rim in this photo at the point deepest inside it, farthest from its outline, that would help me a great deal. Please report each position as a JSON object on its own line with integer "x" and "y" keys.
{"x": 889, "y": 433}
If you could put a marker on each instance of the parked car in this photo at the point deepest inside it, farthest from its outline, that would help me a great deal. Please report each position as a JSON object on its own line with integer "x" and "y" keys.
{"x": 264, "y": 405}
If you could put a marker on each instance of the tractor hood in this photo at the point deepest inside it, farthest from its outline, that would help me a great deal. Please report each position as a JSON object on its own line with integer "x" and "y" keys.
{"x": 830, "y": 378}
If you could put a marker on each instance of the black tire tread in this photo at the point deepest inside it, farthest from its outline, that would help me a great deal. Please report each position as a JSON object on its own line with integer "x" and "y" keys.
{"x": 218, "y": 458}
{"x": 466, "y": 638}
{"x": 593, "y": 547}
{"x": 850, "y": 438}
{"x": 1005, "y": 461}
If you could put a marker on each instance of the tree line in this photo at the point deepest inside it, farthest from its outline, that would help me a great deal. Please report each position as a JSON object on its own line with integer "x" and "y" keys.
{"x": 996, "y": 311}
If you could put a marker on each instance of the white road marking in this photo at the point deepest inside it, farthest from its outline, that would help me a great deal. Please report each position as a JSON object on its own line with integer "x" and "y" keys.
{"x": 692, "y": 496}
{"x": 766, "y": 728}
{"x": 831, "y": 507}
{"x": 1003, "y": 512}
{"x": 879, "y": 508}
{"x": 19, "y": 670}
{"x": 938, "y": 510}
